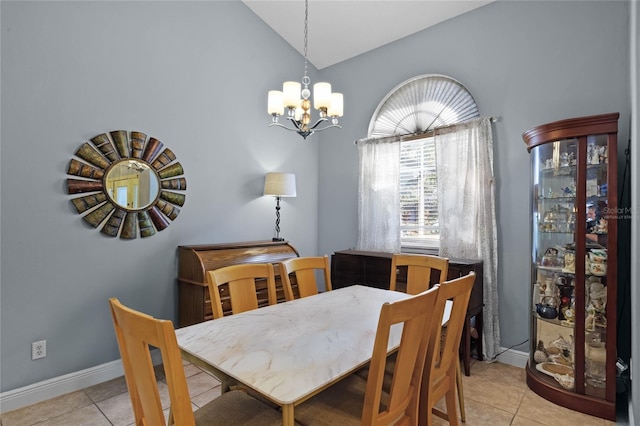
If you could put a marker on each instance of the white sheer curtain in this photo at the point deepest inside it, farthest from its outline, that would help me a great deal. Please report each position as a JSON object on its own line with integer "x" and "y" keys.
{"x": 378, "y": 195}
{"x": 466, "y": 210}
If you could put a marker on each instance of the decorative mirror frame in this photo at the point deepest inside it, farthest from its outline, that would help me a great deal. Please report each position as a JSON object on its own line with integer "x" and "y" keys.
{"x": 105, "y": 151}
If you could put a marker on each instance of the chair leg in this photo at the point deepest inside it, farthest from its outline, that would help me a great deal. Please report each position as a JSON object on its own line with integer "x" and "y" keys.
{"x": 450, "y": 399}
{"x": 225, "y": 385}
{"x": 170, "y": 421}
{"x": 463, "y": 417}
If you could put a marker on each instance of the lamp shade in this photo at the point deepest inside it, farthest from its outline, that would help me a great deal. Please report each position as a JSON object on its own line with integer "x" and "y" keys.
{"x": 280, "y": 184}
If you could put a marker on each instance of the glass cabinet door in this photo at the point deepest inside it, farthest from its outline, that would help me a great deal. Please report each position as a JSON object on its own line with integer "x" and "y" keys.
{"x": 556, "y": 219}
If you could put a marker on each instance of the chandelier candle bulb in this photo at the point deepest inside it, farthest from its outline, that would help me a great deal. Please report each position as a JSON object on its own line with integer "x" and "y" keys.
{"x": 275, "y": 102}
{"x": 291, "y": 93}
{"x": 336, "y": 108}
{"x": 321, "y": 95}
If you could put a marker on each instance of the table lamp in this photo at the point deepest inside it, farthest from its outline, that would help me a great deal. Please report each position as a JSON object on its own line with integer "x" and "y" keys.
{"x": 279, "y": 185}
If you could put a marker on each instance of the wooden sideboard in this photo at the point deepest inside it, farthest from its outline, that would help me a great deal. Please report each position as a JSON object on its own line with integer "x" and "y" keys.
{"x": 373, "y": 269}
{"x": 194, "y": 304}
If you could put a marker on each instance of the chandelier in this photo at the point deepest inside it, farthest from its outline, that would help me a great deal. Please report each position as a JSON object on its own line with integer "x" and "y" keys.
{"x": 295, "y": 99}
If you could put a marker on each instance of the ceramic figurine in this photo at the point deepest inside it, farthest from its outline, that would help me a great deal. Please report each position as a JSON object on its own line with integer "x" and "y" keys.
{"x": 601, "y": 227}
{"x": 596, "y": 309}
{"x": 595, "y": 156}
{"x": 603, "y": 154}
{"x": 567, "y": 381}
{"x": 570, "y": 311}
{"x": 540, "y": 355}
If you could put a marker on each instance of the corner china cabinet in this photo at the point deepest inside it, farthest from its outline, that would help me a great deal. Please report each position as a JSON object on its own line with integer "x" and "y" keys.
{"x": 572, "y": 359}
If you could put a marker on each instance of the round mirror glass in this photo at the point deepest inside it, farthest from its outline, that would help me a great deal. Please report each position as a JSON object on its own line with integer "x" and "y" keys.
{"x": 132, "y": 184}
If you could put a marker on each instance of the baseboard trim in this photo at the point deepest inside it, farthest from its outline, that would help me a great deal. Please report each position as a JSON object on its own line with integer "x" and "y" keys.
{"x": 513, "y": 357}
{"x": 51, "y": 388}
{"x": 56, "y": 386}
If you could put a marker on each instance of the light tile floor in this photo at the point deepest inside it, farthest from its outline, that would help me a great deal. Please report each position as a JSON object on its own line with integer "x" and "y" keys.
{"x": 495, "y": 394}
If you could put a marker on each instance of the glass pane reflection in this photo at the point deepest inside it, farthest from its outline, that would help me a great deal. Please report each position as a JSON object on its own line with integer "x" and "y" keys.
{"x": 132, "y": 184}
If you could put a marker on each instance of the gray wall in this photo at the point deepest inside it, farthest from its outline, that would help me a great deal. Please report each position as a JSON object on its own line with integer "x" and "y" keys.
{"x": 191, "y": 74}
{"x": 527, "y": 62}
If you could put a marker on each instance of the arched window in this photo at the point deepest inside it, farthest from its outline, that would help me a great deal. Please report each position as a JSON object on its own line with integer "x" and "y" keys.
{"x": 420, "y": 104}
{"x": 417, "y": 107}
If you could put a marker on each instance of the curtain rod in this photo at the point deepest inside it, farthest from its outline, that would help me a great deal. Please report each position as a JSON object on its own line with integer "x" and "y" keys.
{"x": 430, "y": 132}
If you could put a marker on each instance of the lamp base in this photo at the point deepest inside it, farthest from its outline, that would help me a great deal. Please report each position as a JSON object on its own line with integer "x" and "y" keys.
{"x": 277, "y": 239}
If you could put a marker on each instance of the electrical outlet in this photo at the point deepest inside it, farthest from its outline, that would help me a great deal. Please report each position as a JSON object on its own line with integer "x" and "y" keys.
{"x": 39, "y": 349}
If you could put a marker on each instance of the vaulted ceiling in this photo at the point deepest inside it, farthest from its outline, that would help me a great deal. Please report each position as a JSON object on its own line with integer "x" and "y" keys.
{"x": 342, "y": 29}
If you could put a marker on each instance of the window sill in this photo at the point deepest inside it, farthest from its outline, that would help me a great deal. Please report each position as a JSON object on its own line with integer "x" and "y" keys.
{"x": 432, "y": 251}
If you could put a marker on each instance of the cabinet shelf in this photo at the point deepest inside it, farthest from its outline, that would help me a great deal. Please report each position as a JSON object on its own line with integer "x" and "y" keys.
{"x": 568, "y": 197}
{"x": 555, "y": 321}
{"x": 558, "y": 270}
{"x": 557, "y": 232}
{"x": 570, "y": 170}
{"x": 550, "y": 268}
{"x": 569, "y": 228}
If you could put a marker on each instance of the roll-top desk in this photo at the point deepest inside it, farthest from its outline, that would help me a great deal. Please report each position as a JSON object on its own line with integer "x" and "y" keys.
{"x": 194, "y": 304}
{"x": 373, "y": 269}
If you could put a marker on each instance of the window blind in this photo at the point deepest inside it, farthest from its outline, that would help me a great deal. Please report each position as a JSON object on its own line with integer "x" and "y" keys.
{"x": 418, "y": 193}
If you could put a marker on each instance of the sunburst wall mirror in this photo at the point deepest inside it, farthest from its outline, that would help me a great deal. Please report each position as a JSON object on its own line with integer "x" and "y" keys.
{"x": 130, "y": 184}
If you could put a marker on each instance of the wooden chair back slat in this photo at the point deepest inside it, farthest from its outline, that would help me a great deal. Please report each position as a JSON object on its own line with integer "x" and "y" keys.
{"x": 305, "y": 269}
{"x": 419, "y": 268}
{"x": 240, "y": 283}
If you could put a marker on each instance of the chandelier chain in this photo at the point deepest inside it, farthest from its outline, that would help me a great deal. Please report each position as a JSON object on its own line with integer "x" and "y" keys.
{"x": 306, "y": 24}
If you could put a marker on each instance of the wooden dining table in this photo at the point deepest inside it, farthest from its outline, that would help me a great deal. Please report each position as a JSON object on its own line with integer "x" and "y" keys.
{"x": 290, "y": 351}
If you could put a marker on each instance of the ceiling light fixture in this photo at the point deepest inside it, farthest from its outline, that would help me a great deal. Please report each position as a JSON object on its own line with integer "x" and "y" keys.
{"x": 298, "y": 104}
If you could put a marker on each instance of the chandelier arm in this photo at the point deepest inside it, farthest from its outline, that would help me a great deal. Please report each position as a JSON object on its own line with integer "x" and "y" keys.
{"x": 328, "y": 127}
{"x": 317, "y": 123}
{"x": 295, "y": 122}
{"x": 308, "y": 132}
{"x": 283, "y": 126}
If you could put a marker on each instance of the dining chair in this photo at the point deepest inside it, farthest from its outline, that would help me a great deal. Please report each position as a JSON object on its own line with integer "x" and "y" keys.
{"x": 135, "y": 333}
{"x": 240, "y": 287}
{"x": 442, "y": 367}
{"x": 354, "y": 401}
{"x": 419, "y": 268}
{"x": 304, "y": 269}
